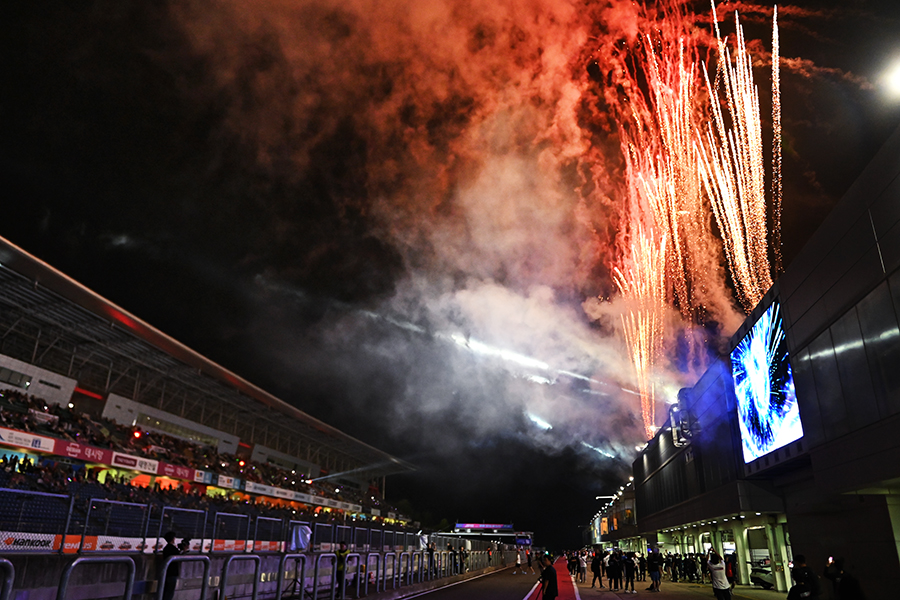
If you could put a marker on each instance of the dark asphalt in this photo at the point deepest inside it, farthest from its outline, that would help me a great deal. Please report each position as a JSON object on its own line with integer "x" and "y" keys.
{"x": 499, "y": 585}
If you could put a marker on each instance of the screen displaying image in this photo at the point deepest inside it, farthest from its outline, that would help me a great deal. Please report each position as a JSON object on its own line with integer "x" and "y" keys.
{"x": 764, "y": 385}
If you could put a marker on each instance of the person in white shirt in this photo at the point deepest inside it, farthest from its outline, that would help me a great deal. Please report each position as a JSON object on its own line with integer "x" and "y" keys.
{"x": 720, "y": 583}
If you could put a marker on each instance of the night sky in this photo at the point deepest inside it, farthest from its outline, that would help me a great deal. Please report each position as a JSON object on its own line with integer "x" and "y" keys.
{"x": 327, "y": 197}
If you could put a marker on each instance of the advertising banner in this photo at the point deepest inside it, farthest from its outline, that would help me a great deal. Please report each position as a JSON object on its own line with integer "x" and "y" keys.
{"x": 12, "y": 437}
{"x": 268, "y": 546}
{"x": 228, "y": 545}
{"x": 42, "y": 417}
{"x": 228, "y": 482}
{"x": 203, "y": 476}
{"x": 73, "y": 542}
{"x": 82, "y": 452}
{"x": 135, "y": 463}
{"x": 11, "y": 541}
{"x": 108, "y": 543}
{"x": 176, "y": 471}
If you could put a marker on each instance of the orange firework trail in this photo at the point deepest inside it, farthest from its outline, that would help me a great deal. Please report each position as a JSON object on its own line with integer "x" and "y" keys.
{"x": 681, "y": 163}
{"x": 643, "y": 285}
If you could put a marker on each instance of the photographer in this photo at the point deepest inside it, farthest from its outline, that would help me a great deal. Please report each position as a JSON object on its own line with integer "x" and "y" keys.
{"x": 174, "y": 570}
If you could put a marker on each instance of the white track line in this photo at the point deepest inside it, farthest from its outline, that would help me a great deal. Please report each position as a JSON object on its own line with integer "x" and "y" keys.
{"x": 531, "y": 591}
{"x": 575, "y": 587}
{"x": 444, "y": 587}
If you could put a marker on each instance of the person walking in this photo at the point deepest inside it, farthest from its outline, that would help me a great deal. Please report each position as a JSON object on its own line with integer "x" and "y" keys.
{"x": 721, "y": 585}
{"x": 518, "y": 566}
{"x": 549, "y": 585}
{"x": 582, "y": 567}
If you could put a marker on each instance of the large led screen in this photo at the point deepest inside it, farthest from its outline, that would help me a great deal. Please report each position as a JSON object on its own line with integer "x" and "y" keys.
{"x": 764, "y": 385}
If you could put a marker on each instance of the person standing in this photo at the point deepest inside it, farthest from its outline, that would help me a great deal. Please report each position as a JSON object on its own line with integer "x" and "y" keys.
{"x": 582, "y": 566}
{"x": 595, "y": 569}
{"x": 654, "y": 564}
{"x": 528, "y": 557}
{"x": 549, "y": 586}
{"x": 846, "y": 586}
{"x": 518, "y": 563}
{"x": 802, "y": 573}
{"x": 174, "y": 570}
{"x": 614, "y": 571}
{"x": 721, "y": 585}
{"x": 628, "y": 568}
{"x": 340, "y": 569}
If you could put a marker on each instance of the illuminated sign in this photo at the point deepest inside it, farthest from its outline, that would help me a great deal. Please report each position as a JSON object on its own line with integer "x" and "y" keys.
{"x": 764, "y": 385}
{"x": 482, "y": 526}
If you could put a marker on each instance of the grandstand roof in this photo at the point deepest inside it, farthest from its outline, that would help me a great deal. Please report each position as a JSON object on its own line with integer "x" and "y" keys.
{"x": 54, "y": 322}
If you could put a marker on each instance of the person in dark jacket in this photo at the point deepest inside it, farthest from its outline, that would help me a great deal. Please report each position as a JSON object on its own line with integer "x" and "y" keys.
{"x": 549, "y": 585}
{"x": 595, "y": 569}
{"x": 845, "y": 585}
{"x": 174, "y": 570}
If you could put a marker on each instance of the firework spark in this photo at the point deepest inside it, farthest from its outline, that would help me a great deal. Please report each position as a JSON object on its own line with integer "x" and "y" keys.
{"x": 733, "y": 175}
{"x": 643, "y": 285}
{"x": 683, "y": 167}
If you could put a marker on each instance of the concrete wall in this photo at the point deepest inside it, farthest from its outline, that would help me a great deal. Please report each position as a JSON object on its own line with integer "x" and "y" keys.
{"x": 124, "y": 411}
{"x": 45, "y": 384}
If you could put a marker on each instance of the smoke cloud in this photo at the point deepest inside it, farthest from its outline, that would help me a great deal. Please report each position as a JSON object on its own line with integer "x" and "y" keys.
{"x": 470, "y": 142}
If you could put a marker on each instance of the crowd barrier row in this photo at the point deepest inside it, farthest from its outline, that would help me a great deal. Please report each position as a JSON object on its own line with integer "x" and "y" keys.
{"x": 392, "y": 570}
{"x": 41, "y": 522}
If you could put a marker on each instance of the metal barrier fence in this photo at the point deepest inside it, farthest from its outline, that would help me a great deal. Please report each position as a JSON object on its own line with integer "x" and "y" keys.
{"x": 399, "y": 569}
{"x": 63, "y": 587}
{"x": 188, "y": 522}
{"x": 9, "y": 578}
{"x": 34, "y": 512}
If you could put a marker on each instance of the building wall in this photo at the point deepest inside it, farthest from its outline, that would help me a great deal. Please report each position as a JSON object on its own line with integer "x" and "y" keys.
{"x": 838, "y": 485}
{"x": 45, "y": 384}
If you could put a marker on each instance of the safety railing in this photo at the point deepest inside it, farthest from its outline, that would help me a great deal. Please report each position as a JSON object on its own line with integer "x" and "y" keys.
{"x": 295, "y": 587}
{"x": 63, "y": 587}
{"x": 113, "y": 525}
{"x": 315, "y": 584}
{"x": 268, "y": 533}
{"x": 232, "y": 527}
{"x": 328, "y": 578}
{"x": 176, "y": 560}
{"x": 57, "y": 523}
{"x": 188, "y": 522}
{"x": 256, "y": 569}
{"x": 9, "y": 579}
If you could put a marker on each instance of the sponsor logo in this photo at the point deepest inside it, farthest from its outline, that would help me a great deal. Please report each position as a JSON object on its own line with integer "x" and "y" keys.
{"x": 27, "y": 543}
{"x": 125, "y": 461}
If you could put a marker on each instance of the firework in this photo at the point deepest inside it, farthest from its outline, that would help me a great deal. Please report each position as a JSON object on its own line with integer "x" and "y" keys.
{"x": 683, "y": 162}
{"x": 642, "y": 283}
{"x": 733, "y": 175}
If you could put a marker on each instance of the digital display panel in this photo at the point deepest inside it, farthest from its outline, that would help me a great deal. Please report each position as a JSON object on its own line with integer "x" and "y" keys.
{"x": 764, "y": 385}
{"x": 483, "y": 526}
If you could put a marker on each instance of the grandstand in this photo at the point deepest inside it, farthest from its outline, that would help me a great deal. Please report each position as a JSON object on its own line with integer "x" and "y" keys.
{"x": 80, "y": 354}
